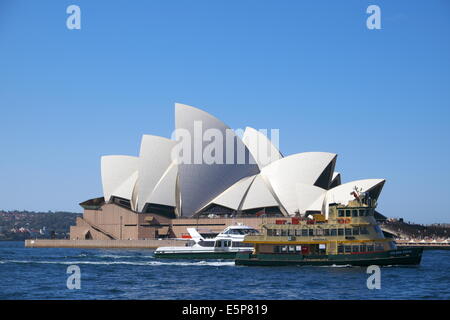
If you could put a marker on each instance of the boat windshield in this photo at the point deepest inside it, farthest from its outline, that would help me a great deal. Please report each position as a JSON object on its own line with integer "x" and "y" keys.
{"x": 242, "y": 231}
{"x": 250, "y": 231}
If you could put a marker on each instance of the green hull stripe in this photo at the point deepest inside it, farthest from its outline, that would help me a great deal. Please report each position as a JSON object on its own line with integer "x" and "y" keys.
{"x": 393, "y": 257}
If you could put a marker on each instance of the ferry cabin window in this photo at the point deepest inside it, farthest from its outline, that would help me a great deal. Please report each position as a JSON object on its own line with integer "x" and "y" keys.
{"x": 283, "y": 232}
{"x": 355, "y": 249}
{"x": 248, "y": 231}
{"x": 311, "y": 232}
{"x": 241, "y": 231}
{"x": 356, "y": 231}
{"x": 370, "y": 248}
{"x": 354, "y": 213}
{"x": 304, "y": 232}
{"x": 333, "y": 232}
{"x": 348, "y": 231}
{"x": 298, "y": 232}
{"x": 269, "y": 232}
{"x": 239, "y": 244}
{"x": 363, "y": 230}
{"x": 291, "y": 232}
{"x": 362, "y": 212}
{"x": 379, "y": 247}
{"x": 287, "y": 249}
{"x": 322, "y": 248}
{"x": 340, "y": 248}
{"x": 340, "y": 213}
{"x": 348, "y": 249}
{"x": 319, "y": 232}
{"x": 362, "y": 248}
{"x": 340, "y": 232}
{"x": 326, "y": 232}
{"x": 347, "y": 213}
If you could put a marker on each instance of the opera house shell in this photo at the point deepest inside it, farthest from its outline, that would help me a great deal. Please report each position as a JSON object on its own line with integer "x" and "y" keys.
{"x": 295, "y": 184}
{"x": 266, "y": 183}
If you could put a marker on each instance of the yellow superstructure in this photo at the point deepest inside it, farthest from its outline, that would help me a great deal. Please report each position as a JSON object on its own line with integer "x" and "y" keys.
{"x": 347, "y": 229}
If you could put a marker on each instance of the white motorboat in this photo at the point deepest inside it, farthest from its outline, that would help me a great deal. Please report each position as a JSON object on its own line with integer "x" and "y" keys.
{"x": 224, "y": 246}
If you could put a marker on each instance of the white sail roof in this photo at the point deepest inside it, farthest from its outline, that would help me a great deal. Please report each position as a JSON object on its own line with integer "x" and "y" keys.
{"x": 258, "y": 195}
{"x": 305, "y": 168}
{"x": 309, "y": 198}
{"x": 164, "y": 191}
{"x": 154, "y": 161}
{"x": 342, "y": 194}
{"x": 119, "y": 175}
{"x": 199, "y": 183}
{"x": 297, "y": 183}
{"x": 336, "y": 180}
{"x": 234, "y": 195}
{"x": 261, "y": 148}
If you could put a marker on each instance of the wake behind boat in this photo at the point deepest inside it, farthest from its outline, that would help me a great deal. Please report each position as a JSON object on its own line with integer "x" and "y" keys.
{"x": 224, "y": 246}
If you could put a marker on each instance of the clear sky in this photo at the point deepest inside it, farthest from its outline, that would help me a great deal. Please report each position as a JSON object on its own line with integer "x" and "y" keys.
{"x": 380, "y": 99}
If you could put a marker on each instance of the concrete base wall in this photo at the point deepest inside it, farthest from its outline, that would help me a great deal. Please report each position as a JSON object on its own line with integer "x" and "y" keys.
{"x": 114, "y": 222}
{"x": 140, "y": 244}
{"x": 82, "y": 230}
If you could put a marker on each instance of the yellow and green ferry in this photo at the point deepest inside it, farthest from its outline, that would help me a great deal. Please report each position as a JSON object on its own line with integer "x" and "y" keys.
{"x": 348, "y": 235}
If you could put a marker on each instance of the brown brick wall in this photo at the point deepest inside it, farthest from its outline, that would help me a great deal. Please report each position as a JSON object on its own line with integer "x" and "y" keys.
{"x": 128, "y": 225}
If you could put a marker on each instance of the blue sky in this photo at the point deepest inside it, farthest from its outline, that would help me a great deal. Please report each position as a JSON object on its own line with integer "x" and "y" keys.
{"x": 380, "y": 99}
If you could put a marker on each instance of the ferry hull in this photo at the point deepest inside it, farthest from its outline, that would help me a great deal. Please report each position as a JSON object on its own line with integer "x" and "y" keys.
{"x": 393, "y": 257}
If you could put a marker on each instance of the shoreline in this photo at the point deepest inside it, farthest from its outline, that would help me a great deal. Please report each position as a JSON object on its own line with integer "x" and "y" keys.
{"x": 103, "y": 244}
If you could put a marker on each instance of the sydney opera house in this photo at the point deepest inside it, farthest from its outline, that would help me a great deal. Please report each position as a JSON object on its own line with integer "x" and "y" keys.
{"x": 158, "y": 194}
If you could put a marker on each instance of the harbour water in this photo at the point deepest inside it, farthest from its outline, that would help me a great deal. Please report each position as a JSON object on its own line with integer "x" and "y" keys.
{"x": 41, "y": 273}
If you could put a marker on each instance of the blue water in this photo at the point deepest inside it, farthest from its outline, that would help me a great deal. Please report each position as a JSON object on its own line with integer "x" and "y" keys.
{"x": 27, "y": 273}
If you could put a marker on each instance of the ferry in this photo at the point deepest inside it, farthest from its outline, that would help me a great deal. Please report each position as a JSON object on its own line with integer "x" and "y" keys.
{"x": 348, "y": 235}
{"x": 225, "y": 245}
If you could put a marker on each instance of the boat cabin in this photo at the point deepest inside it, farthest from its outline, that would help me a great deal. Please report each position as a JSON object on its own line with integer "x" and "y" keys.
{"x": 347, "y": 229}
